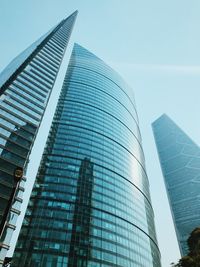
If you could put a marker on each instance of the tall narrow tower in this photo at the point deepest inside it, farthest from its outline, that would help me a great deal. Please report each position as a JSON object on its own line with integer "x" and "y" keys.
{"x": 91, "y": 205}
{"x": 180, "y": 161}
{"x": 25, "y": 87}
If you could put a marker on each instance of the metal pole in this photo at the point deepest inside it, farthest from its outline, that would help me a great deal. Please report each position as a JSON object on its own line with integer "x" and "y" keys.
{"x": 7, "y": 210}
{"x": 17, "y": 175}
{"x": 7, "y": 261}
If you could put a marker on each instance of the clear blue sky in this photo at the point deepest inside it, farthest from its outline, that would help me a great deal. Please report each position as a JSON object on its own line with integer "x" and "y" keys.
{"x": 153, "y": 44}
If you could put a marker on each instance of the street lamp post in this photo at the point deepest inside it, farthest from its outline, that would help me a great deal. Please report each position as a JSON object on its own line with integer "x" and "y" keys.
{"x": 17, "y": 176}
{"x": 7, "y": 261}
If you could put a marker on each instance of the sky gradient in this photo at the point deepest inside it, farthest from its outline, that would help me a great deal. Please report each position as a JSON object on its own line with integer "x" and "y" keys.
{"x": 154, "y": 45}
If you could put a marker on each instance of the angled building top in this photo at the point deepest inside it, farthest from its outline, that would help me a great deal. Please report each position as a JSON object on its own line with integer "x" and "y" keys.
{"x": 11, "y": 70}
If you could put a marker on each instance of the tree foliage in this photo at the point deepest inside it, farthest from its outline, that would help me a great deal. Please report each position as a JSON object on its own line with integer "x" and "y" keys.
{"x": 193, "y": 257}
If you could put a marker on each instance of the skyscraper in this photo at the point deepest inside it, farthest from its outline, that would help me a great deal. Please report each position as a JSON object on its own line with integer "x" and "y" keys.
{"x": 180, "y": 161}
{"x": 25, "y": 87}
{"x": 91, "y": 205}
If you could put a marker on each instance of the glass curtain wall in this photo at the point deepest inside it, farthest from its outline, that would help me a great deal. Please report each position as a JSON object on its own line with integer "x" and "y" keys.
{"x": 26, "y": 85}
{"x": 91, "y": 205}
{"x": 180, "y": 161}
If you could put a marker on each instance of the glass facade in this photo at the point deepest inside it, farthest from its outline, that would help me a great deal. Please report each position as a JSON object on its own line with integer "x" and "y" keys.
{"x": 90, "y": 205}
{"x": 26, "y": 85}
{"x": 180, "y": 162}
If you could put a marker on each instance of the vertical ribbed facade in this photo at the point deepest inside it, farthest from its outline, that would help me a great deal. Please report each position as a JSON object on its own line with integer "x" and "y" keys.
{"x": 90, "y": 205}
{"x": 180, "y": 161}
{"x": 26, "y": 85}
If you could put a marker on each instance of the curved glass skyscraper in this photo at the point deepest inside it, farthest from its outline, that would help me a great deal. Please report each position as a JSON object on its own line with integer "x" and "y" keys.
{"x": 90, "y": 205}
